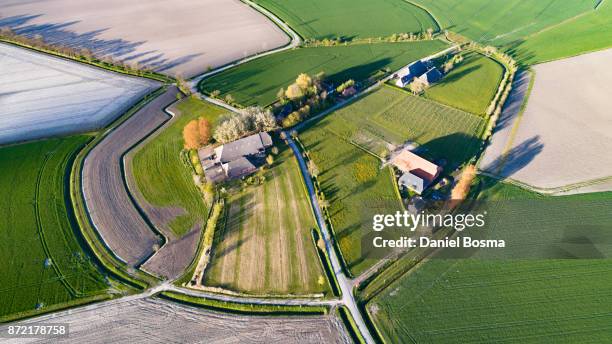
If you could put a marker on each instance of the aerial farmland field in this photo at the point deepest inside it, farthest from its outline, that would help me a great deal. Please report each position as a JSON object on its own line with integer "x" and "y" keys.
{"x": 470, "y": 86}
{"x": 44, "y": 263}
{"x": 175, "y": 322}
{"x": 350, "y": 19}
{"x": 590, "y": 32}
{"x": 352, "y": 179}
{"x": 258, "y": 81}
{"x": 170, "y": 194}
{"x": 182, "y": 37}
{"x": 537, "y": 152}
{"x": 521, "y": 299}
{"x": 263, "y": 242}
{"x": 44, "y": 96}
{"x": 503, "y": 22}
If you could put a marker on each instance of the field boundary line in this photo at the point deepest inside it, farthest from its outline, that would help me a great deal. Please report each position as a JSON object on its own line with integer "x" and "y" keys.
{"x": 104, "y": 254}
{"x": 294, "y": 42}
{"x": 517, "y": 123}
{"x": 429, "y": 13}
{"x": 100, "y": 65}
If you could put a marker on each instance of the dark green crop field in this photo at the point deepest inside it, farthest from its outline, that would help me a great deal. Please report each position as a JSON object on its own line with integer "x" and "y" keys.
{"x": 501, "y": 22}
{"x": 163, "y": 178}
{"x": 470, "y": 86}
{"x": 349, "y": 19}
{"x": 43, "y": 263}
{"x": 258, "y": 81}
{"x": 542, "y": 294}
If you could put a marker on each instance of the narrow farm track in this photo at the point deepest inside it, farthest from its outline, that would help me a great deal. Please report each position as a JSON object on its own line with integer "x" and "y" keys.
{"x": 343, "y": 281}
{"x": 108, "y": 202}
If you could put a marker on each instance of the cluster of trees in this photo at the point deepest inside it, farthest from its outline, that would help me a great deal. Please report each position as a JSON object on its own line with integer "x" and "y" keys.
{"x": 418, "y": 86}
{"x": 197, "y": 133}
{"x": 409, "y": 36}
{"x": 450, "y": 64}
{"x": 252, "y": 119}
{"x": 305, "y": 95}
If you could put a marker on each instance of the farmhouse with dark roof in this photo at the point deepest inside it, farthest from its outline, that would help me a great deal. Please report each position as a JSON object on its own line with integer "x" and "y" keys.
{"x": 408, "y": 73}
{"x": 431, "y": 76}
{"x": 235, "y": 159}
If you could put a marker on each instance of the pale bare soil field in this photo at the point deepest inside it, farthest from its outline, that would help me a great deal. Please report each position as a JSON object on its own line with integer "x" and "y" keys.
{"x": 263, "y": 243}
{"x": 182, "y": 36}
{"x": 43, "y": 96}
{"x": 565, "y": 134}
{"x": 159, "y": 321}
{"x": 111, "y": 209}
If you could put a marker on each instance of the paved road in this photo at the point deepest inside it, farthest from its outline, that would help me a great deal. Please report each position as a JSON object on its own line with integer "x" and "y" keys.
{"x": 111, "y": 209}
{"x": 345, "y": 283}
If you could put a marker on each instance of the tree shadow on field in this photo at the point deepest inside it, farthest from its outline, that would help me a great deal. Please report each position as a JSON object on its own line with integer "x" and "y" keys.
{"x": 519, "y": 52}
{"x": 455, "y": 148}
{"x": 514, "y": 160}
{"x": 451, "y": 77}
{"x": 512, "y": 107}
{"x": 59, "y": 34}
{"x": 360, "y": 72}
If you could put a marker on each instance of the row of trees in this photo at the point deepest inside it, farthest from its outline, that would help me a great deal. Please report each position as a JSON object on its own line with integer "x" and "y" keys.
{"x": 84, "y": 54}
{"x": 396, "y": 37}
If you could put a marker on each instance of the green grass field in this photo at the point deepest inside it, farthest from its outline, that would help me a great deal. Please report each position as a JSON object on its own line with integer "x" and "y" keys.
{"x": 502, "y": 22}
{"x": 390, "y": 116}
{"x": 352, "y": 179}
{"x": 263, "y": 243}
{"x": 258, "y": 81}
{"x": 590, "y": 32}
{"x": 470, "y": 86}
{"x": 353, "y": 183}
{"x": 533, "y": 297}
{"x": 349, "y": 19}
{"x": 37, "y": 228}
{"x": 163, "y": 178}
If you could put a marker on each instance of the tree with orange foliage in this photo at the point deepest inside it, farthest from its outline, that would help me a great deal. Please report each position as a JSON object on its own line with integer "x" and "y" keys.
{"x": 196, "y": 133}
{"x": 462, "y": 188}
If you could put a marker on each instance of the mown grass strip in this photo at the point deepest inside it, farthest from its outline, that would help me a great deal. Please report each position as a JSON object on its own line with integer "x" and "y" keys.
{"x": 243, "y": 308}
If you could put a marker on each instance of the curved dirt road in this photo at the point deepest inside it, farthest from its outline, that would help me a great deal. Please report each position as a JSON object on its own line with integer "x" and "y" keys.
{"x": 111, "y": 209}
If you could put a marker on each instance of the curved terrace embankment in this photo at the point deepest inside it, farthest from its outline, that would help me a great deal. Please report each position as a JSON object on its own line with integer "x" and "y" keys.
{"x": 109, "y": 204}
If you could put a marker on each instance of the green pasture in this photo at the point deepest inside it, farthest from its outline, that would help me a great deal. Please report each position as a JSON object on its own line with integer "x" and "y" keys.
{"x": 388, "y": 117}
{"x": 44, "y": 264}
{"x": 542, "y": 293}
{"x": 501, "y": 22}
{"x": 350, "y": 19}
{"x": 263, "y": 243}
{"x": 470, "y": 86}
{"x": 163, "y": 177}
{"x": 258, "y": 81}
{"x": 590, "y": 32}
